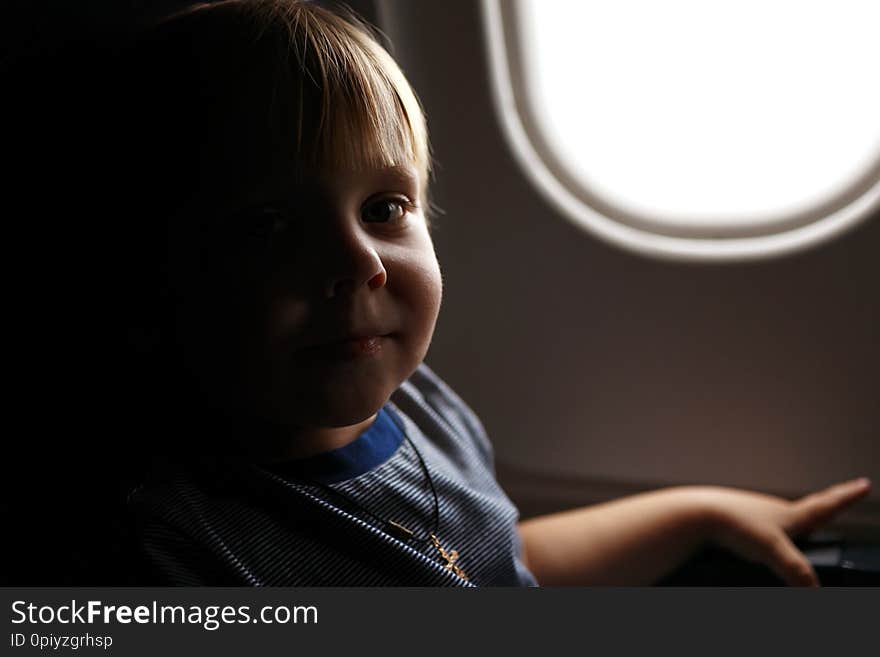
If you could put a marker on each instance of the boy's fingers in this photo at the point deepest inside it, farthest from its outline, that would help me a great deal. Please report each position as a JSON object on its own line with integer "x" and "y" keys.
{"x": 817, "y": 508}
{"x": 789, "y": 563}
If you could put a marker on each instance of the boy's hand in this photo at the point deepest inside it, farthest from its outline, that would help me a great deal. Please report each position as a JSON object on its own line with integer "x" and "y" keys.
{"x": 758, "y": 527}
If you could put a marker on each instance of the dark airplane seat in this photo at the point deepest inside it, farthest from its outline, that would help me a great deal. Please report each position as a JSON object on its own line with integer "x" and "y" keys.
{"x": 837, "y": 562}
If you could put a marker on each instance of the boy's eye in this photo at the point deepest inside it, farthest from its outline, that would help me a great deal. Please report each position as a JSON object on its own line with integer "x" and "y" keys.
{"x": 383, "y": 211}
{"x": 264, "y": 223}
{"x": 255, "y": 226}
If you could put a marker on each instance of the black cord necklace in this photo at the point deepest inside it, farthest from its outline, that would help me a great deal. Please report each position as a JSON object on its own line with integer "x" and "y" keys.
{"x": 396, "y": 529}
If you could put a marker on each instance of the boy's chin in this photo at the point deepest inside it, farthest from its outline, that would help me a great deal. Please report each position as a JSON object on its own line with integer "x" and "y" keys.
{"x": 340, "y": 397}
{"x": 335, "y": 408}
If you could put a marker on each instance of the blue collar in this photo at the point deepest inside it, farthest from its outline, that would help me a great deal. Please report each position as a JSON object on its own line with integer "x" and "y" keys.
{"x": 369, "y": 450}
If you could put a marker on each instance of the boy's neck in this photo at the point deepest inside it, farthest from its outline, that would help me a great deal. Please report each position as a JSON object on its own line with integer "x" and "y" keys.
{"x": 310, "y": 442}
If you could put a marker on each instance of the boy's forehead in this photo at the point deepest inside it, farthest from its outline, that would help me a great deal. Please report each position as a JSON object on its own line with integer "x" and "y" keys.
{"x": 333, "y": 180}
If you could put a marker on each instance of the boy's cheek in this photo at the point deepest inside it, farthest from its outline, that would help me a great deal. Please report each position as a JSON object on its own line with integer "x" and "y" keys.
{"x": 283, "y": 320}
{"x": 432, "y": 294}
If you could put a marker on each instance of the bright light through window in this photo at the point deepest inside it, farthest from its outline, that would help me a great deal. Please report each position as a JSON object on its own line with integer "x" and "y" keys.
{"x": 704, "y": 119}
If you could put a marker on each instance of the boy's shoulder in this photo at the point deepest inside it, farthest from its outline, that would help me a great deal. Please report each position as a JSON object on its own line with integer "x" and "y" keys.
{"x": 424, "y": 395}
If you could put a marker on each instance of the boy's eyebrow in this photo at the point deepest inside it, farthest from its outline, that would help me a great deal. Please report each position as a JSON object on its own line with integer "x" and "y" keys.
{"x": 401, "y": 173}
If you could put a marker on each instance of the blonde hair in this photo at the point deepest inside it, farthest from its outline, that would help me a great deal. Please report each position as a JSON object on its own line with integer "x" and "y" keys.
{"x": 336, "y": 98}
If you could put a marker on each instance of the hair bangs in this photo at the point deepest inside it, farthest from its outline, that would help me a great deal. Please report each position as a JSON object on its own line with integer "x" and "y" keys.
{"x": 350, "y": 106}
{"x": 266, "y": 85}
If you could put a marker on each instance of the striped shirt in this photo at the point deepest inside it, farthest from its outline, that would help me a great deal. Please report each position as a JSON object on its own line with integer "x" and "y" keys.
{"x": 254, "y": 526}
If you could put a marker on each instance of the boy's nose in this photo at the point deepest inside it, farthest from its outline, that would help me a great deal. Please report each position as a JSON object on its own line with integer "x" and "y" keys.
{"x": 362, "y": 268}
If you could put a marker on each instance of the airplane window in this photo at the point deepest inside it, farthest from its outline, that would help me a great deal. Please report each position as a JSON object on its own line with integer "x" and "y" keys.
{"x": 688, "y": 129}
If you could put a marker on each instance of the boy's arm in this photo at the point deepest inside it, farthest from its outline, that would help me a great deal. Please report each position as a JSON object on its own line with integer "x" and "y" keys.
{"x": 639, "y": 539}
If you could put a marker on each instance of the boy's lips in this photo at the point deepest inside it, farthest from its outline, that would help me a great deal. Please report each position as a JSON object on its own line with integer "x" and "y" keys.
{"x": 349, "y": 346}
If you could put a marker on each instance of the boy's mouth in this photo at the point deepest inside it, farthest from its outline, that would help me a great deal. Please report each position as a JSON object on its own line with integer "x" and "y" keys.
{"x": 350, "y": 347}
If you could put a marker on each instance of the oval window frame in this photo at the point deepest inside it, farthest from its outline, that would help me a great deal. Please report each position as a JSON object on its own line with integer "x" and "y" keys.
{"x": 748, "y": 240}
